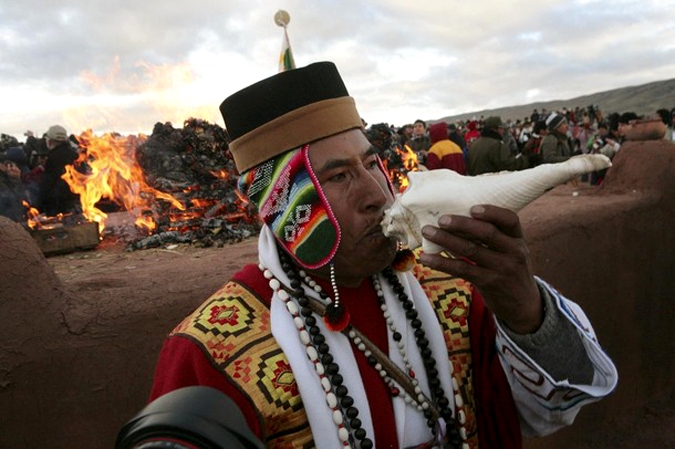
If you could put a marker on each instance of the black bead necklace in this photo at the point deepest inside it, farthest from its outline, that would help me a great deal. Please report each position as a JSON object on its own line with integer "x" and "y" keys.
{"x": 437, "y": 392}
{"x": 345, "y": 401}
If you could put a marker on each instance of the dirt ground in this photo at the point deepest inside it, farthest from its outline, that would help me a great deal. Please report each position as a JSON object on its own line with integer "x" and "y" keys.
{"x": 183, "y": 271}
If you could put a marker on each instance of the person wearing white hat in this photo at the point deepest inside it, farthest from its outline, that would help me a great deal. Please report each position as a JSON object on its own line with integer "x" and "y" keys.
{"x": 555, "y": 146}
{"x": 55, "y": 196}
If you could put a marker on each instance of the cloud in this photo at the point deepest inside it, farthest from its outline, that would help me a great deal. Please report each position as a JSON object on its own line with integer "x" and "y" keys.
{"x": 128, "y": 65}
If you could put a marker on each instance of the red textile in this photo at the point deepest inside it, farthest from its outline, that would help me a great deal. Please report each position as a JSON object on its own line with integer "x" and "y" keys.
{"x": 182, "y": 364}
{"x": 498, "y": 425}
{"x": 446, "y": 154}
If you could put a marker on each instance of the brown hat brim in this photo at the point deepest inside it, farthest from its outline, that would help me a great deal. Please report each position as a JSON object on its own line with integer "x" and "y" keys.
{"x": 307, "y": 124}
{"x": 286, "y": 111}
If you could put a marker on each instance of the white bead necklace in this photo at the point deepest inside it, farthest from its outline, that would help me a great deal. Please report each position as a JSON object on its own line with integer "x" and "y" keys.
{"x": 421, "y": 402}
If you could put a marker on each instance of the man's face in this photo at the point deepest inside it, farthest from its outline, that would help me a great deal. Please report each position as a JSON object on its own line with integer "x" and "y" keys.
{"x": 11, "y": 169}
{"x": 347, "y": 168}
{"x": 419, "y": 129}
{"x": 564, "y": 126}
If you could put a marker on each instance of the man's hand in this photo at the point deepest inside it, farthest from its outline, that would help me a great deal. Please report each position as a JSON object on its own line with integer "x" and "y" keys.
{"x": 489, "y": 251}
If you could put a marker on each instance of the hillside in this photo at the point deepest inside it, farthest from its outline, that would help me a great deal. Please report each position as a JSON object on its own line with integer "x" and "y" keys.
{"x": 643, "y": 100}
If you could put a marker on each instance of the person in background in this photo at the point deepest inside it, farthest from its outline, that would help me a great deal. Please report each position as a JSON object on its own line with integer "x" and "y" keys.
{"x": 405, "y": 133}
{"x": 443, "y": 152}
{"x": 555, "y": 146}
{"x": 606, "y": 141}
{"x": 509, "y": 138}
{"x": 525, "y": 133}
{"x": 34, "y": 147}
{"x": 533, "y": 144}
{"x": 33, "y": 179}
{"x": 18, "y": 156}
{"x": 419, "y": 142}
{"x": 455, "y": 136}
{"x": 472, "y": 133}
{"x": 489, "y": 153}
{"x": 12, "y": 192}
{"x": 583, "y": 135}
{"x": 7, "y": 141}
{"x": 338, "y": 338}
{"x": 55, "y": 195}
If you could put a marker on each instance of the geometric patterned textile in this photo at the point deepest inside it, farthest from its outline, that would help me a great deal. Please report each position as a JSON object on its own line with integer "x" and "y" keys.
{"x": 451, "y": 299}
{"x": 292, "y": 204}
{"x": 232, "y": 328}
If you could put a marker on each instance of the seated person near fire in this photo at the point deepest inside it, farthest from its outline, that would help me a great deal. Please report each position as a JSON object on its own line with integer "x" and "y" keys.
{"x": 338, "y": 337}
{"x": 55, "y": 196}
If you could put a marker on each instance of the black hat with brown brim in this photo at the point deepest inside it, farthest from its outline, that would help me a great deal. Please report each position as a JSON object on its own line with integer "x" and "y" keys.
{"x": 286, "y": 111}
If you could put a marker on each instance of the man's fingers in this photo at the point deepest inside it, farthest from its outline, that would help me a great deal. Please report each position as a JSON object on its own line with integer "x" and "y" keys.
{"x": 506, "y": 220}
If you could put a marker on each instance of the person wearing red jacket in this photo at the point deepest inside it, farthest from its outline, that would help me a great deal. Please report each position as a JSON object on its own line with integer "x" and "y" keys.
{"x": 444, "y": 153}
{"x": 472, "y": 134}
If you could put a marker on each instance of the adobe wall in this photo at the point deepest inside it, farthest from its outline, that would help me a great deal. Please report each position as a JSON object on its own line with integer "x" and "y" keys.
{"x": 612, "y": 249}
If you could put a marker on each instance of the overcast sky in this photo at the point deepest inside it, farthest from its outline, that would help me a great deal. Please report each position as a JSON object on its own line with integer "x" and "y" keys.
{"x": 125, "y": 65}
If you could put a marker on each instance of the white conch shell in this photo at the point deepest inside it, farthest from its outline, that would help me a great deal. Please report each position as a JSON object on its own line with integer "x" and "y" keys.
{"x": 433, "y": 193}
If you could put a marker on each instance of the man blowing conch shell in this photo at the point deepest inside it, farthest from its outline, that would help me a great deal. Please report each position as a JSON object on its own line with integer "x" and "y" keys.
{"x": 331, "y": 342}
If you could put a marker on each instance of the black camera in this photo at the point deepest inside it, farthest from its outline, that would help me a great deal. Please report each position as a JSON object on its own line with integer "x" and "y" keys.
{"x": 189, "y": 418}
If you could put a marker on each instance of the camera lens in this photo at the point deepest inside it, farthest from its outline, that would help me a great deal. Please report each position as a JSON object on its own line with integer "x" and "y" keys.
{"x": 189, "y": 418}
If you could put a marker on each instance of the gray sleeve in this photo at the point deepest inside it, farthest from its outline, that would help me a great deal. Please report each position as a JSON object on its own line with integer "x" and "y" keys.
{"x": 556, "y": 346}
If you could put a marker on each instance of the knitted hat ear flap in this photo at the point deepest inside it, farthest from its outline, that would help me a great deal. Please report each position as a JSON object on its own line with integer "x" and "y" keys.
{"x": 291, "y": 202}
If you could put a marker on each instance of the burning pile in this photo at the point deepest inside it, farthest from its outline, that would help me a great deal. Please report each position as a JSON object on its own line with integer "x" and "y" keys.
{"x": 396, "y": 160}
{"x": 194, "y": 166}
{"x": 180, "y": 185}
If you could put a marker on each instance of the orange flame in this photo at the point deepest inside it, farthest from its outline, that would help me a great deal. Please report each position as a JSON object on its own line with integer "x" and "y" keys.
{"x": 398, "y": 175}
{"x": 32, "y": 215}
{"x": 410, "y": 163}
{"x": 221, "y": 174}
{"x": 113, "y": 173}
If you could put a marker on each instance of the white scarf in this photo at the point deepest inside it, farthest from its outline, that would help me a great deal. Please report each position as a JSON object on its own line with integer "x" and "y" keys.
{"x": 411, "y": 425}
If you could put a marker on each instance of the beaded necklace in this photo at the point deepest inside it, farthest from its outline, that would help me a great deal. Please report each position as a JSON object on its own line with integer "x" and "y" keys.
{"x": 401, "y": 382}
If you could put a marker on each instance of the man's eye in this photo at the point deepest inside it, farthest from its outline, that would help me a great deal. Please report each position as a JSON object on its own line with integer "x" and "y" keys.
{"x": 337, "y": 177}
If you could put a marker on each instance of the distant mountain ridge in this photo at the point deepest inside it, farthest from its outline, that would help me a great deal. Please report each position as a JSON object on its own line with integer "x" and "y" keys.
{"x": 644, "y": 100}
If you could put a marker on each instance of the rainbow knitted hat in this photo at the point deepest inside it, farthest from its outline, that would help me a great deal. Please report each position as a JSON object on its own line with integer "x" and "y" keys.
{"x": 270, "y": 125}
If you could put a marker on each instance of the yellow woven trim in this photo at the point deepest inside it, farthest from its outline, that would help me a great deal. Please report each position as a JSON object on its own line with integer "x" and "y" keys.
{"x": 294, "y": 129}
{"x": 233, "y": 329}
{"x": 451, "y": 299}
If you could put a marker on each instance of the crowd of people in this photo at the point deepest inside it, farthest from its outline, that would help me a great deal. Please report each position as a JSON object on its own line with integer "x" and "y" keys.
{"x": 490, "y": 144}
{"x": 30, "y": 173}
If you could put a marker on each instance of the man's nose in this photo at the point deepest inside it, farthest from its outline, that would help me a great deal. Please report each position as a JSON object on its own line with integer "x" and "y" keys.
{"x": 374, "y": 193}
